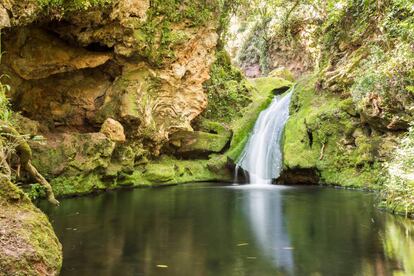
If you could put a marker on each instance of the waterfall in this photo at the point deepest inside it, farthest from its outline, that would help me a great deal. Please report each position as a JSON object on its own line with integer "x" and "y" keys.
{"x": 262, "y": 155}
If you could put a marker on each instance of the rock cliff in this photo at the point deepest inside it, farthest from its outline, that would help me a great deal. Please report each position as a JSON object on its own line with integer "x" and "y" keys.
{"x": 140, "y": 65}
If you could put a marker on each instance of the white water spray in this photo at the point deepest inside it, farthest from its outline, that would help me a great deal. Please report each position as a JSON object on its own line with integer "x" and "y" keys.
{"x": 262, "y": 155}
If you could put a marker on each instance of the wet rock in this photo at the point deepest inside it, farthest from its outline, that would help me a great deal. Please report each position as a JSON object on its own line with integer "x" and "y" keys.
{"x": 113, "y": 130}
{"x": 299, "y": 176}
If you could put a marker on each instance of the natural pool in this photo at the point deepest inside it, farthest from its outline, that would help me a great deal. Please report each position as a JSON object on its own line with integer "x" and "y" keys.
{"x": 210, "y": 229}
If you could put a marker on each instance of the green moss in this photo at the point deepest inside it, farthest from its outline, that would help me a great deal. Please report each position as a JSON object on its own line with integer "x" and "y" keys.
{"x": 73, "y": 5}
{"x": 320, "y": 134}
{"x": 29, "y": 230}
{"x": 169, "y": 171}
{"x": 282, "y": 73}
{"x": 78, "y": 185}
{"x": 156, "y": 38}
{"x": 227, "y": 90}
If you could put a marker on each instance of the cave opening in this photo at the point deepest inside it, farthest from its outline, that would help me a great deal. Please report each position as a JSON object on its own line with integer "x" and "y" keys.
{"x": 54, "y": 82}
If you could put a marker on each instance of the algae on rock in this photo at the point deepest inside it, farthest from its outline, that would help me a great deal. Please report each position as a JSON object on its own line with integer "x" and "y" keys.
{"x": 28, "y": 245}
{"x": 325, "y": 134}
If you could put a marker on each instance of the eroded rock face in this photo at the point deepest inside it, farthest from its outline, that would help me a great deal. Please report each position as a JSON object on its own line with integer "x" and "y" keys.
{"x": 107, "y": 84}
{"x": 36, "y": 54}
{"x": 72, "y": 75}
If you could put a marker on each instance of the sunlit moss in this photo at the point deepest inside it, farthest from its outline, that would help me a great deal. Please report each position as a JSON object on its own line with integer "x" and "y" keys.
{"x": 321, "y": 134}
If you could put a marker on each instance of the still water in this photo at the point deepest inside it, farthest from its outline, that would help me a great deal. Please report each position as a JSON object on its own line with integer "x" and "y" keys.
{"x": 206, "y": 229}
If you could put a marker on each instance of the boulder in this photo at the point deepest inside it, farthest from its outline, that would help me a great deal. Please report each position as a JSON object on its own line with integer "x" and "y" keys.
{"x": 72, "y": 153}
{"x": 113, "y": 130}
{"x": 28, "y": 245}
{"x": 198, "y": 141}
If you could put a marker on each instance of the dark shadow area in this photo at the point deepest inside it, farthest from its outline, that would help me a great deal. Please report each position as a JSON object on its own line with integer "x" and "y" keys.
{"x": 280, "y": 91}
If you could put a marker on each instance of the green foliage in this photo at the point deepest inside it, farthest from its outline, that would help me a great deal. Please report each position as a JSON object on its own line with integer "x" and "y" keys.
{"x": 157, "y": 38}
{"x": 5, "y": 112}
{"x": 72, "y": 5}
{"x": 256, "y": 47}
{"x": 388, "y": 74}
{"x": 228, "y": 91}
{"x": 398, "y": 192}
{"x": 278, "y": 27}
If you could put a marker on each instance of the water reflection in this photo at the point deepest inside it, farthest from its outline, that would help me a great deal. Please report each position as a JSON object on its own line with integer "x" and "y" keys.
{"x": 398, "y": 242}
{"x": 263, "y": 208}
{"x": 208, "y": 230}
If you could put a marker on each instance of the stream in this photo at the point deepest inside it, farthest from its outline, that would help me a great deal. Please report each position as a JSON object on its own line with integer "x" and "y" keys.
{"x": 212, "y": 229}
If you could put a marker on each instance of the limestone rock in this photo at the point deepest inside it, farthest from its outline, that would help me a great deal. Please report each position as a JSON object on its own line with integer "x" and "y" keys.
{"x": 4, "y": 18}
{"x": 22, "y": 12}
{"x": 35, "y": 54}
{"x": 69, "y": 99}
{"x": 198, "y": 141}
{"x": 131, "y": 8}
{"x": 69, "y": 154}
{"x": 113, "y": 130}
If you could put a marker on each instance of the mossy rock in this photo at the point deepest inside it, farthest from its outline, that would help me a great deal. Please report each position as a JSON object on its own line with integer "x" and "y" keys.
{"x": 198, "y": 141}
{"x": 283, "y": 73}
{"x": 29, "y": 246}
{"x": 160, "y": 173}
{"x": 319, "y": 136}
{"x": 69, "y": 154}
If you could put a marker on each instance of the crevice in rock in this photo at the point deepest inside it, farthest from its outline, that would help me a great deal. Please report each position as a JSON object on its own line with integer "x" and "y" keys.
{"x": 299, "y": 176}
{"x": 98, "y": 47}
{"x": 280, "y": 90}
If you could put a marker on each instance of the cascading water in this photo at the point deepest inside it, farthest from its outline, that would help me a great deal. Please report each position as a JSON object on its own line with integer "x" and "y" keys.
{"x": 262, "y": 155}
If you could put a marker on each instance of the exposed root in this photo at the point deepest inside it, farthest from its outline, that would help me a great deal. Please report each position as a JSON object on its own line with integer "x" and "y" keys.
{"x": 24, "y": 153}
{"x": 322, "y": 152}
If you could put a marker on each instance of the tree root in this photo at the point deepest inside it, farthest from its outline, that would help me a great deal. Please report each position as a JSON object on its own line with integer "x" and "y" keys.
{"x": 24, "y": 153}
{"x": 39, "y": 178}
{"x": 322, "y": 152}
